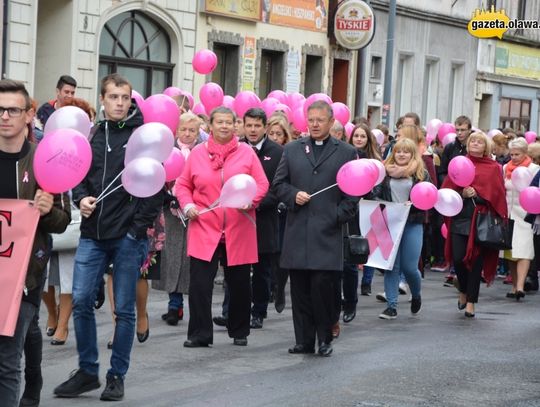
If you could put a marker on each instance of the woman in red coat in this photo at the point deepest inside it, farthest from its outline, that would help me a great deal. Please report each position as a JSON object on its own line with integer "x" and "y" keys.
{"x": 226, "y": 235}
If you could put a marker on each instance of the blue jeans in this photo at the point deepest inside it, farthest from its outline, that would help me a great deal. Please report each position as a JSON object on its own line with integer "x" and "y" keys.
{"x": 91, "y": 260}
{"x": 406, "y": 262}
{"x": 176, "y": 301}
{"x": 367, "y": 275}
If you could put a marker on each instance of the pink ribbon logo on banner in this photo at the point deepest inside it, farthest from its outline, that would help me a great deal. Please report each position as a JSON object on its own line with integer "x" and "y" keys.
{"x": 379, "y": 235}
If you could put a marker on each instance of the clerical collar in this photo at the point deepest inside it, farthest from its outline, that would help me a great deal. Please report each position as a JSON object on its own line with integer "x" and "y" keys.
{"x": 320, "y": 142}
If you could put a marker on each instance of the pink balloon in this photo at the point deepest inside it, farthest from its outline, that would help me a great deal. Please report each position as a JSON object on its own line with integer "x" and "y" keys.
{"x": 314, "y": 98}
{"x": 199, "y": 109}
{"x": 228, "y": 101}
{"x": 179, "y": 95}
{"x": 379, "y": 136}
{"x": 279, "y": 95}
{"x": 429, "y": 139}
{"x": 295, "y": 100}
{"x": 172, "y": 91}
{"x": 162, "y": 109}
{"x": 244, "y": 101}
{"x": 204, "y": 61}
{"x": 138, "y": 98}
{"x": 449, "y": 202}
{"x": 174, "y": 165}
{"x": 461, "y": 170}
{"x": 424, "y": 195}
{"x": 448, "y": 138}
{"x": 444, "y": 231}
{"x": 529, "y": 199}
{"x": 357, "y": 177}
{"x": 521, "y": 178}
{"x": 285, "y": 109}
{"x": 444, "y": 129}
{"x": 211, "y": 96}
{"x": 493, "y": 132}
{"x": 299, "y": 120}
{"x": 341, "y": 112}
{"x": 530, "y": 136}
{"x": 269, "y": 105}
{"x": 143, "y": 177}
{"x": 238, "y": 191}
{"x": 349, "y": 127}
{"x": 154, "y": 140}
{"x": 69, "y": 117}
{"x": 62, "y": 160}
{"x": 380, "y": 168}
{"x": 433, "y": 127}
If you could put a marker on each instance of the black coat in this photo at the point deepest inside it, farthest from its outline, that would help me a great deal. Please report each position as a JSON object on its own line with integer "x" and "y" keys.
{"x": 313, "y": 237}
{"x": 267, "y": 214}
{"x": 453, "y": 149}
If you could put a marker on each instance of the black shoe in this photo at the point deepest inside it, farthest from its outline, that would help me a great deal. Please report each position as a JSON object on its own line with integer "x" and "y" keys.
{"x": 461, "y": 306}
{"x": 279, "y": 302}
{"x": 142, "y": 337}
{"x": 194, "y": 344}
{"x": 325, "y": 349}
{"x": 56, "y": 342}
{"x": 114, "y": 390}
{"x": 348, "y": 316}
{"x": 388, "y": 313}
{"x": 511, "y": 295}
{"x": 50, "y": 331}
{"x": 365, "y": 289}
{"x": 519, "y": 295}
{"x": 220, "y": 321}
{"x": 79, "y": 382}
{"x": 469, "y": 314}
{"x": 531, "y": 284}
{"x": 301, "y": 349}
{"x": 256, "y": 323}
{"x": 171, "y": 317}
{"x": 109, "y": 345}
{"x": 240, "y": 341}
{"x": 416, "y": 304}
{"x": 32, "y": 391}
{"x": 100, "y": 295}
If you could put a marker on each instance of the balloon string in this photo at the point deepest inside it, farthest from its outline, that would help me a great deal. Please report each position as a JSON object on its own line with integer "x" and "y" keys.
{"x": 208, "y": 209}
{"x": 108, "y": 186}
{"x": 102, "y": 197}
{"x": 322, "y": 190}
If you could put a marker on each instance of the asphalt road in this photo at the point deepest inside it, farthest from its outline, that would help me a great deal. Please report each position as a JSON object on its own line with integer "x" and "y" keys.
{"x": 437, "y": 358}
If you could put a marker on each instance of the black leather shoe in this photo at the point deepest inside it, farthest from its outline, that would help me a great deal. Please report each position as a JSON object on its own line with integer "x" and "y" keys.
{"x": 301, "y": 349}
{"x": 279, "y": 302}
{"x": 56, "y": 342}
{"x": 256, "y": 323}
{"x": 348, "y": 316}
{"x": 511, "y": 295}
{"x": 78, "y": 383}
{"x": 194, "y": 344}
{"x": 469, "y": 314}
{"x": 220, "y": 321}
{"x": 325, "y": 349}
{"x": 142, "y": 337}
{"x": 519, "y": 295}
{"x": 109, "y": 345}
{"x": 50, "y": 331}
{"x": 32, "y": 391}
{"x": 100, "y": 295}
{"x": 114, "y": 390}
{"x": 172, "y": 317}
{"x": 240, "y": 341}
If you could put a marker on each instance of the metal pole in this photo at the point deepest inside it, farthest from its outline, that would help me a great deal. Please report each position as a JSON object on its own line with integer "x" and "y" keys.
{"x": 360, "y": 86}
{"x": 389, "y": 63}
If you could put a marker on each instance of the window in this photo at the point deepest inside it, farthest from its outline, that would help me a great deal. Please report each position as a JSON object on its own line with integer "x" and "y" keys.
{"x": 375, "y": 68}
{"x": 522, "y": 6}
{"x": 272, "y": 72}
{"x": 138, "y": 48}
{"x": 429, "y": 93}
{"x": 455, "y": 101}
{"x": 404, "y": 85}
{"x": 226, "y": 72}
{"x": 314, "y": 71}
{"x": 515, "y": 113}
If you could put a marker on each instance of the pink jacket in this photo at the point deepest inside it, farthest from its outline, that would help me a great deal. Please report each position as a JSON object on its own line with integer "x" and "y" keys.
{"x": 201, "y": 185}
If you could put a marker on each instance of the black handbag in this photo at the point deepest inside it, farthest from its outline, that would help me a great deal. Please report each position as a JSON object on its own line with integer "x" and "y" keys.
{"x": 494, "y": 232}
{"x": 355, "y": 249}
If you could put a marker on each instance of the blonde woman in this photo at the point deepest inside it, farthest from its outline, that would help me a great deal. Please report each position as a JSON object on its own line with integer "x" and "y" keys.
{"x": 278, "y": 129}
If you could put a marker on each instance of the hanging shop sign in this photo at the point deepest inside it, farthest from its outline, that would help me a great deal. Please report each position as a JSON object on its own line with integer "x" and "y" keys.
{"x": 354, "y": 24}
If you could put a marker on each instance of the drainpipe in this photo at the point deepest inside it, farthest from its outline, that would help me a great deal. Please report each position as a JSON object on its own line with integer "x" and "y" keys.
{"x": 5, "y": 38}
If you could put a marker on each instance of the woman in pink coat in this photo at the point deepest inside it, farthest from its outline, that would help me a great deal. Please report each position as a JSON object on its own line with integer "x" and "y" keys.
{"x": 222, "y": 235}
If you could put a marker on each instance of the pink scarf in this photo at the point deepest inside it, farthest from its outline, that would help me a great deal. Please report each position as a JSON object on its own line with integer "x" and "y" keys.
{"x": 220, "y": 152}
{"x": 185, "y": 149}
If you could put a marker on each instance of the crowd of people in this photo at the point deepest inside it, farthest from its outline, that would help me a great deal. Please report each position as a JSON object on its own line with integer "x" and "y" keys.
{"x": 180, "y": 237}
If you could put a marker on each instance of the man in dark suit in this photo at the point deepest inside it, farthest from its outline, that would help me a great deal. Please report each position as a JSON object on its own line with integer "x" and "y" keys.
{"x": 269, "y": 154}
{"x": 313, "y": 240}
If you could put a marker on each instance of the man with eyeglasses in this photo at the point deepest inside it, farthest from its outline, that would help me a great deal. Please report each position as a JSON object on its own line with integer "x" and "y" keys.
{"x": 313, "y": 240}
{"x": 18, "y": 182}
{"x": 65, "y": 92}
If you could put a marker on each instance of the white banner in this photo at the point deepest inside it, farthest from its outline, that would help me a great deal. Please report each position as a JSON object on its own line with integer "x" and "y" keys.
{"x": 382, "y": 223}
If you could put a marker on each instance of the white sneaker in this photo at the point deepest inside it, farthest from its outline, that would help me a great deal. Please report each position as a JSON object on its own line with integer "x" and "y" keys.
{"x": 381, "y": 297}
{"x": 403, "y": 288}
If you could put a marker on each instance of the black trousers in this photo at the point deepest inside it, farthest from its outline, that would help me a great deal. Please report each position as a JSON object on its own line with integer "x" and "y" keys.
{"x": 202, "y": 274}
{"x": 261, "y": 283}
{"x": 313, "y": 304}
{"x": 469, "y": 280}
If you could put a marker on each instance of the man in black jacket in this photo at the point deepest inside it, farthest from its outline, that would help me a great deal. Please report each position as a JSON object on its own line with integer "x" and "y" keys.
{"x": 269, "y": 154}
{"x": 456, "y": 147}
{"x": 112, "y": 231}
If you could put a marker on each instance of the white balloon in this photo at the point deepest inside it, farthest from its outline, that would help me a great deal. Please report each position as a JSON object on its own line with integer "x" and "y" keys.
{"x": 449, "y": 203}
